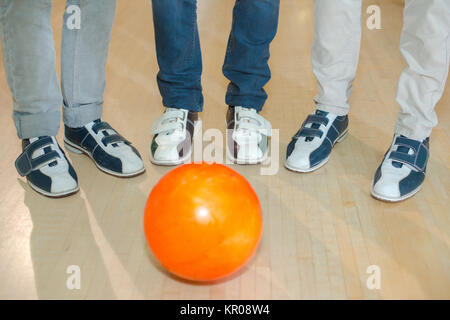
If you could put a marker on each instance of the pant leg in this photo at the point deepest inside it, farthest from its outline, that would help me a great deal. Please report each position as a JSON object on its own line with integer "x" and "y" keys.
{"x": 29, "y": 61}
{"x": 83, "y": 59}
{"x": 335, "y": 52}
{"x": 255, "y": 24}
{"x": 178, "y": 52}
{"x": 425, "y": 45}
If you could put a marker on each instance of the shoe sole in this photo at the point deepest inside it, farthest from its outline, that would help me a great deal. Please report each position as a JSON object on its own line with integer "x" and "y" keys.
{"x": 318, "y": 166}
{"x": 321, "y": 164}
{"x": 393, "y": 200}
{"x": 53, "y": 195}
{"x": 170, "y": 163}
{"x": 78, "y": 150}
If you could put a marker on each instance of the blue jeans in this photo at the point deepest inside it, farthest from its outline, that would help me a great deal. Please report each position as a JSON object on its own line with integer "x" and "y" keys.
{"x": 30, "y": 63}
{"x": 246, "y": 63}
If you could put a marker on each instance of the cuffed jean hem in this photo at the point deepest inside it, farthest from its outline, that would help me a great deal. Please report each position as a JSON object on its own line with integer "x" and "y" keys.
{"x": 246, "y": 102}
{"x": 184, "y": 105}
{"x": 37, "y": 125}
{"x": 339, "y": 111}
{"x": 420, "y": 133}
{"x": 79, "y": 116}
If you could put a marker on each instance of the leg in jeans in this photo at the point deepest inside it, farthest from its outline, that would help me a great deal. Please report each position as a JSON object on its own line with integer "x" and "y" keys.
{"x": 179, "y": 80}
{"x": 29, "y": 61}
{"x": 178, "y": 53}
{"x": 335, "y": 52}
{"x": 425, "y": 44}
{"x": 246, "y": 63}
{"x": 254, "y": 26}
{"x": 83, "y": 59}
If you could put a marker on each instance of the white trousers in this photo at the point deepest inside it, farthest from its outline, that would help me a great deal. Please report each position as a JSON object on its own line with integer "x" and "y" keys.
{"x": 425, "y": 45}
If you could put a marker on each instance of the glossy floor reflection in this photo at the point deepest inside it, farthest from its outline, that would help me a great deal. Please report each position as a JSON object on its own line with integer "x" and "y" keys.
{"x": 321, "y": 230}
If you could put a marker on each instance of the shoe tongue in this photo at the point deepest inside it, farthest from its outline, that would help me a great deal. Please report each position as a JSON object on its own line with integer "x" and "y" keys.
{"x": 34, "y": 139}
{"x": 246, "y": 109}
{"x": 176, "y": 110}
{"x": 316, "y": 125}
{"x": 249, "y": 120}
{"x": 321, "y": 113}
{"x": 168, "y": 109}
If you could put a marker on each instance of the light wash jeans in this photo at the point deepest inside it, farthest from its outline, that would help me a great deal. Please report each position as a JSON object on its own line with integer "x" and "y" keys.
{"x": 425, "y": 45}
{"x": 254, "y": 26}
{"x": 29, "y": 61}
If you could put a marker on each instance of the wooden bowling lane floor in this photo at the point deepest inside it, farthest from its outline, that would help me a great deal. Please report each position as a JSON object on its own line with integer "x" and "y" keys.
{"x": 322, "y": 230}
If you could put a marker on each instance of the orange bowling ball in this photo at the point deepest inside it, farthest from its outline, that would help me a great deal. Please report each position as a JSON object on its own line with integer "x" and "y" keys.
{"x": 203, "y": 221}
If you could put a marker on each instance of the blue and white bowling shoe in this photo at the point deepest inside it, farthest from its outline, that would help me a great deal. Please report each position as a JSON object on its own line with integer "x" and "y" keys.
{"x": 110, "y": 152}
{"x": 402, "y": 171}
{"x": 46, "y": 167}
{"x": 311, "y": 146}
